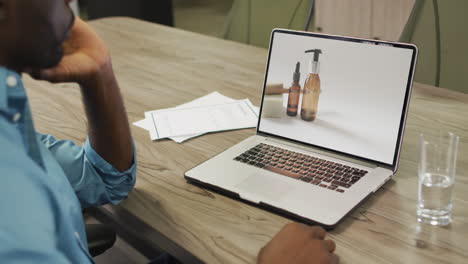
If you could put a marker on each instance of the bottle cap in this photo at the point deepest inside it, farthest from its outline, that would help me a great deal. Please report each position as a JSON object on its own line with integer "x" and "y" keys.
{"x": 297, "y": 73}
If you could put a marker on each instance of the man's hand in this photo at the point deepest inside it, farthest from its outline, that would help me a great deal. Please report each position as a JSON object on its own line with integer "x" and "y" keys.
{"x": 85, "y": 58}
{"x": 298, "y": 243}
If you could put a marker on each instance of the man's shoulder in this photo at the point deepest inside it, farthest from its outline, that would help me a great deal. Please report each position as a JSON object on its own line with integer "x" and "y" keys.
{"x": 28, "y": 207}
{"x": 13, "y": 156}
{"x": 9, "y": 134}
{"x": 21, "y": 178}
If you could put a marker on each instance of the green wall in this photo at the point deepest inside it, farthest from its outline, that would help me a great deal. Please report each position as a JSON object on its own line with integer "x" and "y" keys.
{"x": 454, "y": 44}
{"x": 250, "y": 20}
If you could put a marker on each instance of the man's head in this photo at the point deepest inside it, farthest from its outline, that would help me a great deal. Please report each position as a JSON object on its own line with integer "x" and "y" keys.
{"x": 32, "y": 32}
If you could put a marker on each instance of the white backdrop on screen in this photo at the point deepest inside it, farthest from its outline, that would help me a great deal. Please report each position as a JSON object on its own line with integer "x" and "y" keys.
{"x": 361, "y": 103}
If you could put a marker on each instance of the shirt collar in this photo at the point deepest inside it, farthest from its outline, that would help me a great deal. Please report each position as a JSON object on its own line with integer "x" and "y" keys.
{"x": 10, "y": 86}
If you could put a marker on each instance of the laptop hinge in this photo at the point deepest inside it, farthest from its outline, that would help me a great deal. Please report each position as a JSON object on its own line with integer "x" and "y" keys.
{"x": 322, "y": 152}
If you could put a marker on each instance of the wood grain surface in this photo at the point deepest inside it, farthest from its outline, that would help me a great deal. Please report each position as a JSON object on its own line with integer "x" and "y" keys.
{"x": 160, "y": 67}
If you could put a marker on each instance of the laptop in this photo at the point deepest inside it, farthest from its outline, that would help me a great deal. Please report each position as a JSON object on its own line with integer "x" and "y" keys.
{"x": 330, "y": 127}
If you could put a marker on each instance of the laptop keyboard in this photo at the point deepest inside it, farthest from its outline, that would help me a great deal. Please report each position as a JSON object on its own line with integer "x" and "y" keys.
{"x": 323, "y": 173}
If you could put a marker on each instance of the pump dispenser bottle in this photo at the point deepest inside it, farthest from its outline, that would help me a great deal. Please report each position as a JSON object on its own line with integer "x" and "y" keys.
{"x": 294, "y": 92}
{"x": 310, "y": 97}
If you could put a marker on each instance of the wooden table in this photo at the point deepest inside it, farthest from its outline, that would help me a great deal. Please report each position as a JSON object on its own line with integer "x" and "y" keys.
{"x": 160, "y": 67}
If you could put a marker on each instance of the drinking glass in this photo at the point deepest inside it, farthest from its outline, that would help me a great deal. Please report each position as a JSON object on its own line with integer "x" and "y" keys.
{"x": 437, "y": 168}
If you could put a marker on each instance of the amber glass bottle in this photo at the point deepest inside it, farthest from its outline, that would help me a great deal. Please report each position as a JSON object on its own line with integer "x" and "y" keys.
{"x": 294, "y": 93}
{"x": 310, "y": 98}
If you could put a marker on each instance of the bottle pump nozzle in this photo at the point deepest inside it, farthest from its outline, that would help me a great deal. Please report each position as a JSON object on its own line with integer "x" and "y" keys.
{"x": 297, "y": 73}
{"x": 316, "y": 52}
{"x": 314, "y": 66}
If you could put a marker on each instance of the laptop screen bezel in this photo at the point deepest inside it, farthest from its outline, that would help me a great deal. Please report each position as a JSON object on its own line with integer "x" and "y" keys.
{"x": 409, "y": 84}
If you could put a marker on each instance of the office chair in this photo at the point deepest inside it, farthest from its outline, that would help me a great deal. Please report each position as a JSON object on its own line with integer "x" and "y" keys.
{"x": 439, "y": 29}
{"x": 100, "y": 238}
{"x": 251, "y": 21}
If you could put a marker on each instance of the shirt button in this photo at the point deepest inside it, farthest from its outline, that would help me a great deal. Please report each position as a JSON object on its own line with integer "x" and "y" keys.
{"x": 16, "y": 117}
{"x": 11, "y": 81}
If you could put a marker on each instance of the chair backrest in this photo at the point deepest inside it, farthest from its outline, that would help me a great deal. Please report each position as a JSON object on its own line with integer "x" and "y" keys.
{"x": 421, "y": 30}
{"x": 251, "y": 21}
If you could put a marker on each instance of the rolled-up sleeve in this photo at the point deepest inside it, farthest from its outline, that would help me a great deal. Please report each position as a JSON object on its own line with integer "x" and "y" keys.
{"x": 94, "y": 180}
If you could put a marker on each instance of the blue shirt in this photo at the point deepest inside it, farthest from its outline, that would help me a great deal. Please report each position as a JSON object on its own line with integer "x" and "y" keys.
{"x": 45, "y": 183}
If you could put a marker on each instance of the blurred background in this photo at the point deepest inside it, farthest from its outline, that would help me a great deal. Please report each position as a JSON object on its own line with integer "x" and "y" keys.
{"x": 438, "y": 27}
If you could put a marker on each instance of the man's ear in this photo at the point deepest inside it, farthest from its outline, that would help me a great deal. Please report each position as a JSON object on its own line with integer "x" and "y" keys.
{"x": 3, "y": 10}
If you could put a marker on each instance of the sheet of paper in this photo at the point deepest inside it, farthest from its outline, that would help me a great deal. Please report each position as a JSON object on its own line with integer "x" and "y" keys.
{"x": 187, "y": 121}
{"x": 144, "y": 123}
{"x": 181, "y": 139}
{"x": 209, "y": 99}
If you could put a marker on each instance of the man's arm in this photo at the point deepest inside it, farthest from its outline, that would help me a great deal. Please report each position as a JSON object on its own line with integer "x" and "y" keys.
{"x": 103, "y": 170}
{"x": 94, "y": 180}
{"x": 108, "y": 129}
{"x": 87, "y": 62}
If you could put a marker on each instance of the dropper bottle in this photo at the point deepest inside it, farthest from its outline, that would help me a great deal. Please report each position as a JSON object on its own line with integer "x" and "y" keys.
{"x": 294, "y": 92}
{"x": 312, "y": 90}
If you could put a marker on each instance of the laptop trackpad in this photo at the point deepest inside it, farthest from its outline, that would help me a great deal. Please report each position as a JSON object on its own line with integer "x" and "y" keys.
{"x": 262, "y": 187}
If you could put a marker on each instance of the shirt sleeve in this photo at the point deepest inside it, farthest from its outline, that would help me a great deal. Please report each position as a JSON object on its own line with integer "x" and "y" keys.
{"x": 94, "y": 180}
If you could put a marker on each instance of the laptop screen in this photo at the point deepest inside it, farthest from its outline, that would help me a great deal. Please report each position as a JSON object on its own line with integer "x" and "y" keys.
{"x": 341, "y": 94}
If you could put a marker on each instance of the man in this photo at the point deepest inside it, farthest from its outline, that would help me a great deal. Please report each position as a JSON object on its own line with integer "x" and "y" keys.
{"x": 45, "y": 182}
